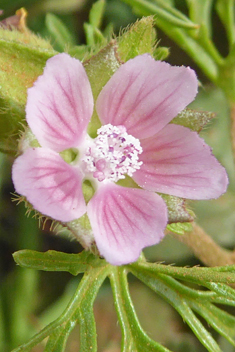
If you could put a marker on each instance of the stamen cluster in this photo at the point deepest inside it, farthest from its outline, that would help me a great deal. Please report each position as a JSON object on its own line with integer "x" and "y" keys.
{"x": 112, "y": 154}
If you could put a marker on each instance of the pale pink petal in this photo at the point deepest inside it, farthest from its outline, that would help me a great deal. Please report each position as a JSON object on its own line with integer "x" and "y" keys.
{"x": 144, "y": 95}
{"x": 125, "y": 220}
{"x": 52, "y": 186}
{"x": 60, "y": 104}
{"x": 177, "y": 161}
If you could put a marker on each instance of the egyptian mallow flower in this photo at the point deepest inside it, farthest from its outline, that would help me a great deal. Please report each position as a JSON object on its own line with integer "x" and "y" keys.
{"x": 135, "y": 141}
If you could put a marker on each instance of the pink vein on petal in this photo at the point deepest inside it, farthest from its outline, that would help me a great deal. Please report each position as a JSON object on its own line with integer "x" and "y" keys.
{"x": 60, "y": 104}
{"x": 144, "y": 95}
{"x": 125, "y": 220}
{"x": 52, "y": 186}
{"x": 183, "y": 167}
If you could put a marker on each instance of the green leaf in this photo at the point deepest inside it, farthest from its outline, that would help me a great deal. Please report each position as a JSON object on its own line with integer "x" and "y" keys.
{"x": 197, "y": 275}
{"x": 99, "y": 69}
{"x": 134, "y": 339}
{"x": 200, "y": 12}
{"x": 163, "y": 10}
{"x": 59, "y": 33}
{"x": 221, "y": 321}
{"x": 163, "y": 285}
{"x": 193, "y": 119}
{"x": 225, "y": 10}
{"x": 20, "y": 65}
{"x": 206, "y": 55}
{"x": 78, "y": 311}
{"x": 96, "y": 13}
{"x": 180, "y": 228}
{"x": 58, "y": 261}
{"x": 139, "y": 38}
{"x": 94, "y": 36}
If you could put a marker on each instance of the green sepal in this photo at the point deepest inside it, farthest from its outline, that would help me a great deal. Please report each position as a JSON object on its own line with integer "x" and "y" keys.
{"x": 161, "y": 53}
{"x": 99, "y": 69}
{"x": 60, "y": 36}
{"x": 180, "y": 228}
{"x": 80, "y": 52}
{"x": 177, "y": 211}
{"x": 138, "y": 39}
{"x": 193, "y": 119}
{"x": 20, "y": 65}
{"x": 58, "y": 261}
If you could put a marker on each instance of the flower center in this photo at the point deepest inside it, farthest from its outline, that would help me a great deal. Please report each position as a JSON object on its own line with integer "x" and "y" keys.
{"x": 112, "y": 154}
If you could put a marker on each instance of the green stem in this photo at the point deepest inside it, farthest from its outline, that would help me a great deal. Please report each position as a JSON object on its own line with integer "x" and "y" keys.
{"x": 204, "y": 247}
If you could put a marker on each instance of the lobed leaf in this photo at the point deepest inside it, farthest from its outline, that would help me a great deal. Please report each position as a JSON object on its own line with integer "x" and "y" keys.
{"x": 58, "y": 261}
{"x": 163, "y": 10}
{"x": 162, "y": 285}
{"x": 200, "y": 12}
{"x": 225, "y": 10}
{"x": 198, "y": 275}
{"x": 134, "y": 339}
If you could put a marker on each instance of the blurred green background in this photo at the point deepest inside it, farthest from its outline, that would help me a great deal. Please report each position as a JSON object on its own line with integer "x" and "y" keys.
{"x": 30, "y": 299}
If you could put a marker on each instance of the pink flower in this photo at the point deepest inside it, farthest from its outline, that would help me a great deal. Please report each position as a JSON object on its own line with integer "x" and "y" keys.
{"x": 134, "y": 107}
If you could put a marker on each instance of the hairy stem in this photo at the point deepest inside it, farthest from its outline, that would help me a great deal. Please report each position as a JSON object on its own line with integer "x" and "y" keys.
{"x": 204, "y": 247}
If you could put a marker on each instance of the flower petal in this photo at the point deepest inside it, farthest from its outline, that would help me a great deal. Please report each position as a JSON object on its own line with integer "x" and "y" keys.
{"x": 52, "y": 186}
{"x": 60, "y": 104}
{"x": 125, "y": 220}
{"x": 144, "y": 95}
{"x": 177, "y": 161}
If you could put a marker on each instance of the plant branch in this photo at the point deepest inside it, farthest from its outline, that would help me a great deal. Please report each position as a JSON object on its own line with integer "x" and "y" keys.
{"x": 204, "y": 247}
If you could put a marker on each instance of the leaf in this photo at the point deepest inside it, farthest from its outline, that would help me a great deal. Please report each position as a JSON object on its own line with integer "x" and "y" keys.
{"x": 200, "y": 12}
{"x": 225, "y": 10}
{"x": 193, "y": 119}
{"x": 138, "y": 39}
{"x": 59, "y": 33}
{"x": 180, "y": 228}
{"x": 78, "y": 311}
{"x": 187, "y": 40}
{"x": 197, "y": 275}
{"x": 134, "y": 339}
{"x": 163, "y": 10}
{"x": 162, "y": 285}
{"x": 58, "y": 261}
{"x": 96, "y": 13}
{"x": 221, "y": 321}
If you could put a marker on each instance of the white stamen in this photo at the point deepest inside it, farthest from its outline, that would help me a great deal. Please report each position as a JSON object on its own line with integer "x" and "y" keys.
{"x": 112, "y": 154}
